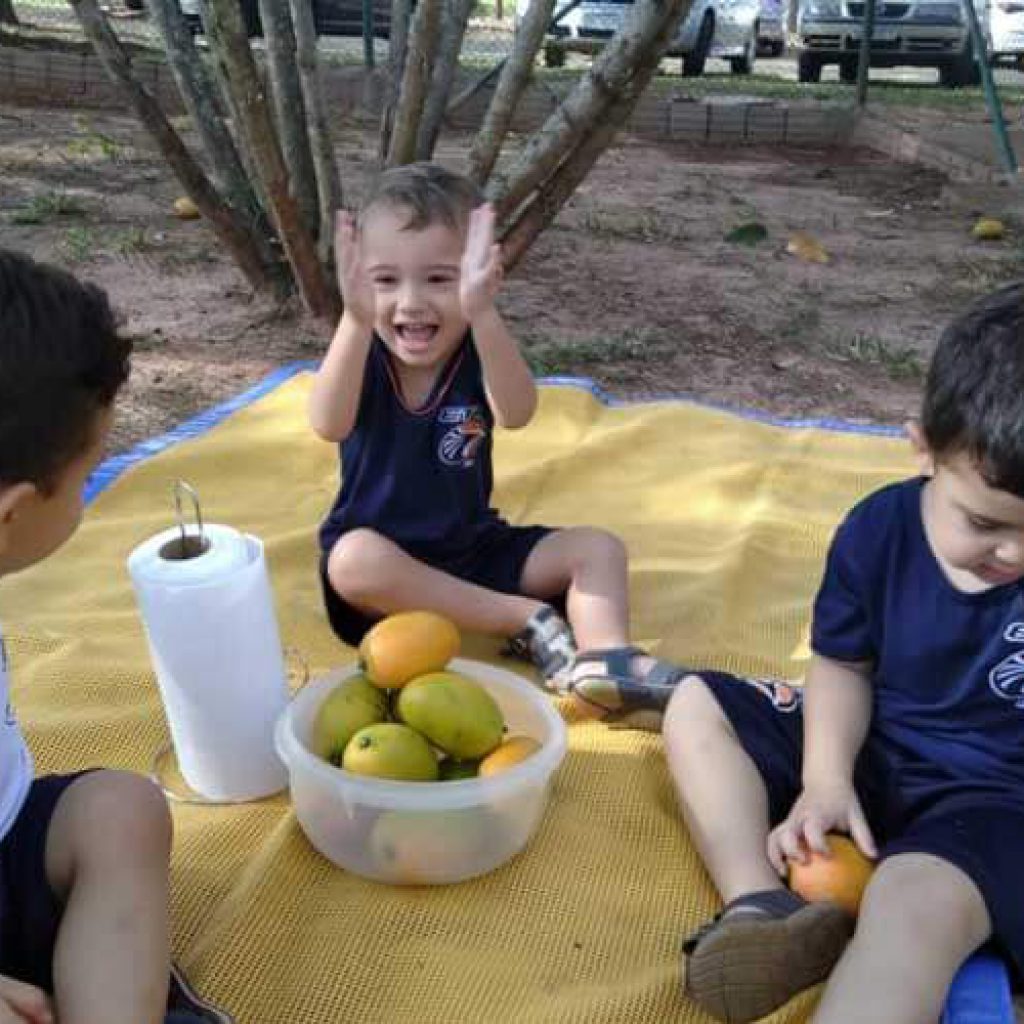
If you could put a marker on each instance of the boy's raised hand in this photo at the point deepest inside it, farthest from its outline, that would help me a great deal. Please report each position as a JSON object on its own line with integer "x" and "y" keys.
{"x": 24, "y": 1004}
{"x": 818, "y": 811}
{"x": 354, "y": 282}
{"x": 481, "y": 264}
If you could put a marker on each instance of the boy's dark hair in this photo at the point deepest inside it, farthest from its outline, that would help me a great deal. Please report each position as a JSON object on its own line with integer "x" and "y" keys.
{"x": 974, "y": 395}
{"x": 432, "y": 194}
{"x": 61, "y": 363}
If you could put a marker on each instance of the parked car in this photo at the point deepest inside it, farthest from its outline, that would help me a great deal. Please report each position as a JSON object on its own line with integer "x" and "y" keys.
{"x": 713, "y": 28}
{"x": 771, "y": 32}
{"x": 331, "y": 17}
{"x": 918, "y": 33}
{"x": 1003, "y": 22}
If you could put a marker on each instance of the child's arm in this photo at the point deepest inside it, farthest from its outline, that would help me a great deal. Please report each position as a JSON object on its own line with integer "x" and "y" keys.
{"x": 511, "y": 391}
{"x": 837, "y": 714}
{"x": 334, "y": 401}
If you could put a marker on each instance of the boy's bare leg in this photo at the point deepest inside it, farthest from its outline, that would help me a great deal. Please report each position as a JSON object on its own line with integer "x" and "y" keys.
{"x": 107, "y": 857}
{"x": 721, "y": 794}
{"x": 376, "y": 575}
{"x": 920, "y": 919}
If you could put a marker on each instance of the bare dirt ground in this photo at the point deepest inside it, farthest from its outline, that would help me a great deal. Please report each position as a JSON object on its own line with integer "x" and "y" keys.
{"x": 637, "y": 284}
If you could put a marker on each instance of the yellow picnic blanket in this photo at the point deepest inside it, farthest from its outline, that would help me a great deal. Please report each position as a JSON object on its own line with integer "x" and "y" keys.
{"x": 727, "y": 521}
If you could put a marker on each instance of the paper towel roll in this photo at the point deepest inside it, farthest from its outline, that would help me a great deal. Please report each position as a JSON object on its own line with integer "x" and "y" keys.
{"x": 216, "y": 649}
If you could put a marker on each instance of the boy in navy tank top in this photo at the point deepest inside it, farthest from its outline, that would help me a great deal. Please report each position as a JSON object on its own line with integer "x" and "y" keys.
{"x": 84, "y": 902}
{"x": 421, "y": 370}
{"x": 908, "y": 735}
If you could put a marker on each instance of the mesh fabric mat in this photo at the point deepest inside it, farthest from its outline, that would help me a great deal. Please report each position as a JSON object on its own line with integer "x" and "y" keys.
{"x": 727, "y": 520}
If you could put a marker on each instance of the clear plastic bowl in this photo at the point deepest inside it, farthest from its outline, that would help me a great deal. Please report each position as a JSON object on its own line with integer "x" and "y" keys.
{"x": 423, "y": 833}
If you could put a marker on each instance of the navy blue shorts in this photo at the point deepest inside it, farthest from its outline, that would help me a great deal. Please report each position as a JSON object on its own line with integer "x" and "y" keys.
{"x": 982, "y": 836}
{"x": 497, "y": 564}
{"x": 30, "y": 912}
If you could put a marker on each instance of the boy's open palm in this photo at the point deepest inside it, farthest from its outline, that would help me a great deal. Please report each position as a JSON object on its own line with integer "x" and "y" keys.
{"x": 24, "y": 1004}
{"x": 481, "y": 264}
{"x": 353, "y": 280}
{"x": 817, "y": 812}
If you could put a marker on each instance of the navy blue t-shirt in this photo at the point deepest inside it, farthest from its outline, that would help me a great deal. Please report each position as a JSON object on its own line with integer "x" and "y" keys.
{"x": 421, "y": 477}
{"x": 948, "y": 666}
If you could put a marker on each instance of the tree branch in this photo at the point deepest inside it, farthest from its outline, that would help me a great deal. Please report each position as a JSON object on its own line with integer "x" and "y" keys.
{"x": 419, "y": 62}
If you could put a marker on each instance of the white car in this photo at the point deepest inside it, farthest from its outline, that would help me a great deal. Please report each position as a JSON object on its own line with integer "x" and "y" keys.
{"x": 1004, "y": 29}
{"x": 713, "y": 28}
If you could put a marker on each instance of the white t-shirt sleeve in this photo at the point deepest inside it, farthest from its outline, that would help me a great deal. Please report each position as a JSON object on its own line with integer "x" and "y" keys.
{"x": 15, "y": 760}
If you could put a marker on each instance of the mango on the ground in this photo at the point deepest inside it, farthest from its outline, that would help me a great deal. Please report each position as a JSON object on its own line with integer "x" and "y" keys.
{"x": 390, "y": 750}
{"x": 454, "y": 712}
{"x": 404, "y": 646}
{"x": 510, "y": 752}
{"x": 353, "y": 704}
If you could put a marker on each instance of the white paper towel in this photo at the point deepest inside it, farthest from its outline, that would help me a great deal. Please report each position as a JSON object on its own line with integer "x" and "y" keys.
{"x": 216, "y": 649}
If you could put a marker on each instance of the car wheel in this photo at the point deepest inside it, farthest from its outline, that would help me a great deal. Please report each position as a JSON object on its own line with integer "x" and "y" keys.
{"x": 808, "y": 68}
{"x": 962, "y": 70}
{"x": 745, "y": 64}
{"x": 848, "y": 70}
{"x": 776, "y": 48}
{"x": 554, "y": 55}
{"x": 694, "y": 61}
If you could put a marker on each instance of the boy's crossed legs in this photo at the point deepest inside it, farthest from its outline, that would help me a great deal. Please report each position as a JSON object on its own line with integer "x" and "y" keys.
{"x": 586, "y": 566}
{"x": 921, "y": 917}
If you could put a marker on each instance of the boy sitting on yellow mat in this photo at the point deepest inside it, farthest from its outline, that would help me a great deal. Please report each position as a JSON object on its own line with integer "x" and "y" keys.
{"x": 909, "y": 736}
{"x": 83, "y": 857}
{"x": 421, "y": 369}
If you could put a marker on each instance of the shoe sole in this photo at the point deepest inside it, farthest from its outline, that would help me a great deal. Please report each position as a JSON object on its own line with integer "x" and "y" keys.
{"x": 746, "y": 968}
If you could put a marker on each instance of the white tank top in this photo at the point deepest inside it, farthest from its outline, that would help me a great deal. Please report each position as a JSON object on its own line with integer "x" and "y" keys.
{"x": 15, "y": 760}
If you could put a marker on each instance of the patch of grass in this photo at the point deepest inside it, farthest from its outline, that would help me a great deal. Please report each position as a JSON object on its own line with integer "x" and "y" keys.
{"x": 132, "y": 241}
{"x": 78, "y": 244}
{"x": 898, "y": 362}
{"x": 800, "y": 324}
{"x": 94, "y": 143}
{"x": 47, "y": 206}
{"x": 634, "y": 226}
{"x": 566, "y": 356}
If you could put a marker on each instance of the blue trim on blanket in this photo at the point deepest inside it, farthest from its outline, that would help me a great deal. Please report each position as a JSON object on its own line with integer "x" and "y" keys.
{"x": 111, "y": 469}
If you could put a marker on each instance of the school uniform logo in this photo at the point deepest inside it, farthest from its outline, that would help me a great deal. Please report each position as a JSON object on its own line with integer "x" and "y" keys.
{"x": 459, "y": 444}
{"x": 784, "y": 698}
{"x": 1007, "y": 678}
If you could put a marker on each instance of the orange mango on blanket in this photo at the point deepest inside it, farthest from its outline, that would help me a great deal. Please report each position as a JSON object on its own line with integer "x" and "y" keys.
{"x": 406, "y": 645}
{"x": 841, "y": 878}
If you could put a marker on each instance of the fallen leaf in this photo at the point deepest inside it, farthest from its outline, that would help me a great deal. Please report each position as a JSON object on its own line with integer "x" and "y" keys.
{"x": 749, "y": 233}
{"x": 185, "y": 209}
{"x": 988, "y": 229}
{"x": 807, "y": 248}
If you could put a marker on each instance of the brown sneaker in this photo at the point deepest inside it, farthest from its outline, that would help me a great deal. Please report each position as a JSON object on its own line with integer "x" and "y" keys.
{"x": 744, "y": 965}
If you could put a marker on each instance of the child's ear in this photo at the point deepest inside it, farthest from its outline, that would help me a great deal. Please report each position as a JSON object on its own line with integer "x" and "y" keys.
{"x": 14, "y": 500}
{"x": 925, "y": 458}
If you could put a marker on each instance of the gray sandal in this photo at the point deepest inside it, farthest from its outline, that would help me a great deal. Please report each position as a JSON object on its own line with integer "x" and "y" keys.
{"x": 547, "y": 643}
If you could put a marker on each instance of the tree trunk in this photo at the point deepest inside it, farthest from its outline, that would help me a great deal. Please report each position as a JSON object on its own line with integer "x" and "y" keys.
{"x": 224, "y": 221}
{"x": 398, "y": 41}
{"x": 289, "y": 108}
{"x": 546, "y": 202}
{"x": 646, "y": 31}
{"x": 419, "y": 62}
{"x": 514, "y": 78}
{"x": 453, "y": 31}
{"x": 199, "y": 95}
{"x": 7, "y": 15}
{"x": 231, "y": 46}
{"x": 328, "y": 183}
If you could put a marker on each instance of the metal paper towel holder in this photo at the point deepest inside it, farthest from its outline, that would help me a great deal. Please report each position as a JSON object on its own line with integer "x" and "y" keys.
{"x": 186, "y": 545}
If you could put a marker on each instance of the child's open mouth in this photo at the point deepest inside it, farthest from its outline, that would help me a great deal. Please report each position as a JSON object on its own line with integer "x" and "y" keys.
{"x": 416, "y": 337}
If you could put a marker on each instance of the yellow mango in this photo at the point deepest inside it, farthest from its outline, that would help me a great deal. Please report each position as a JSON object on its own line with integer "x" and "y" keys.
{"x": 512, "y": 751}
{"x": 454, "y": 712}
{"x": 404, "y": 646}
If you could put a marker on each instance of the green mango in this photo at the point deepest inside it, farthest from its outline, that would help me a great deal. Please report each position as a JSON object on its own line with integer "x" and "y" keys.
{"x": 352, "y": 705}
{"x": 452, "y": 769}
{"x": 454, "y": 712}
{"x": 390, "y": 750}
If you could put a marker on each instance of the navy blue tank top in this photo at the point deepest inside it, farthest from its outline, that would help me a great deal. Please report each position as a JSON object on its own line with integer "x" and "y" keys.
{"x": 421, "y": 477}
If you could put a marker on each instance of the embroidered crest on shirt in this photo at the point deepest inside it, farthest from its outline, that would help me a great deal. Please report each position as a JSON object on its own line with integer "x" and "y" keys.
{"x": 1007, "y": 678}
{"x": 784, "y": 697}
{"x": 460, "y": 443}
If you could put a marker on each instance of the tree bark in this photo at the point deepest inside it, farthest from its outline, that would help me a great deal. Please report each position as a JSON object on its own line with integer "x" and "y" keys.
{"x": 398, "y": 41}
{"x": 648, "y": 29}
{"x": 328, "y": 182}
{"x": 453, "y": 31}
{"x": 198, "y": 92}
{"x": 230, "y": 45}
{"x": 513, "y": 81}
{"x": 7, "y": 15}
{"x": 289, "y": 107}
{"x": 224, "y": 221}
{"x": 544, "y": 205}
{"x": 419, "y": 62}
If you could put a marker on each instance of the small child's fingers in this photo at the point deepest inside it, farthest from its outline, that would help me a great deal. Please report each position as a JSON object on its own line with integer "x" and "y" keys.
{"x": 814, "y": 835}
{"x": 791, "y": 843}
{"x": 860, "y": 832}
{"x": 25, "y": 1002}
{"x": 776, "y": 856}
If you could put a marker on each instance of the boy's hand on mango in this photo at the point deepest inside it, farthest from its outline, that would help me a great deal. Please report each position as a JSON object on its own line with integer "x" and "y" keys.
{"x": 353, "y": 280}
{"x": 24, "y": 1004}
{"x": 481, "y": 265}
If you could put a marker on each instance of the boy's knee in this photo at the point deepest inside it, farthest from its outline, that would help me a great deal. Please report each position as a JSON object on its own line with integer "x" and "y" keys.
{"x": 598, "y": 546}
{"x": 693, "y": 716}
{"x": 355, "y": 562}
